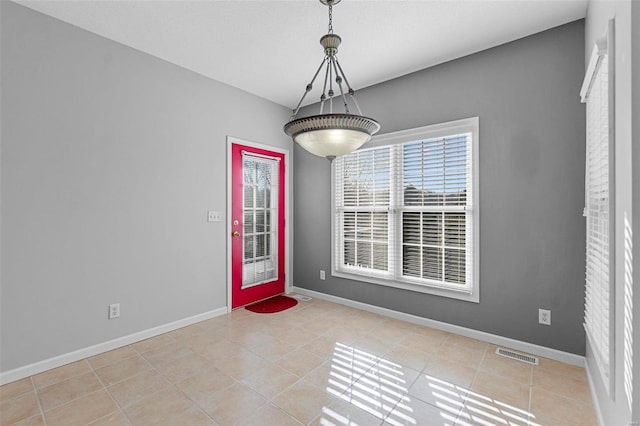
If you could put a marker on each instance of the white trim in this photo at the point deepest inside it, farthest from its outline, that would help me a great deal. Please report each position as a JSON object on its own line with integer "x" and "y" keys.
{"x": 465, "y": 125}
{"x": 264, "y": 157}
{"x": 419, "y": 288}
{"x": 57, "y": 361}
{"x": 592, "y": 387}
{"x": 598, "y": 51}
{"x": 603, "y": 48}
{"x": 288, "y": 223}
{"x": 526, "y": 347}
{"x": 430, "y": 131}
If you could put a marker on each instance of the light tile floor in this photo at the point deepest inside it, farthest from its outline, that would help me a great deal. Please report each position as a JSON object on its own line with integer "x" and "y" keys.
{"x": 318, "y": 363}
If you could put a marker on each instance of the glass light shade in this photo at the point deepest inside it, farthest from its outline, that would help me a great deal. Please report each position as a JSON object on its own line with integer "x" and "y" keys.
{"x": 332, "y": 142}
{"x": 332, "y": 135}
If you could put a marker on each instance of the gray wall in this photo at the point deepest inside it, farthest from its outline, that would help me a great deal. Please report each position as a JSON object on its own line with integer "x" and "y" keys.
{"x": 532, "y": 234}
{"x": 110, "y": 160}
{"x": 614, "y": 407}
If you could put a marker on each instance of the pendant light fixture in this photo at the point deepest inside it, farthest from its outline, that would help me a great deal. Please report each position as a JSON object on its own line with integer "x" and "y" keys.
{"x": 331, "y": 134}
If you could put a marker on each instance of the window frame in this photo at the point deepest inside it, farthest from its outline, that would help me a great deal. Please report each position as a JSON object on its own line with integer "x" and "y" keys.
{"x": 269, "y": 261}
{"x": 603, "y": 48}
{"x": 467, "y": 125}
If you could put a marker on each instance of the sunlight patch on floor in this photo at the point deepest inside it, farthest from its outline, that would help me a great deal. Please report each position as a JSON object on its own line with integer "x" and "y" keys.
{"x": 380, "y": 388}
{"x": 484, "y": 410}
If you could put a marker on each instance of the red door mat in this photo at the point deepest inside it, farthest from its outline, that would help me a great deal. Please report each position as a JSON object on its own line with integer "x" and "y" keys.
{"x": 273, "y": 305}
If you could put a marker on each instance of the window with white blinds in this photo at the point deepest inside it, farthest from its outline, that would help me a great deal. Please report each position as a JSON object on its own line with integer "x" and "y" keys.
{"x": 405, "y": 213}
{"x": 260, "y": 212}
{"x": 598, "y": 211}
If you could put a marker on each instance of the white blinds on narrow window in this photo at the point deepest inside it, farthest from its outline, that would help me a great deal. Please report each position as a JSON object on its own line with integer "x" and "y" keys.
{"x": 597, "y": 211}
{"x": 363, "y": 202}
{"x": 436, "y": 237}
{"x": 260, "y": 214}
{"x": 404, "y": 212}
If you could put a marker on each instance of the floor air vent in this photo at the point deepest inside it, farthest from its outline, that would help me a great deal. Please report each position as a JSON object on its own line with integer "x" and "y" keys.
{"x": 301, "y": 297}
{"x": 517, "y": 356}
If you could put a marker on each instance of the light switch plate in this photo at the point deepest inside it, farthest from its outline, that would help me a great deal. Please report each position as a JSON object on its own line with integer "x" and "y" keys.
{"x": 213, "y": 216}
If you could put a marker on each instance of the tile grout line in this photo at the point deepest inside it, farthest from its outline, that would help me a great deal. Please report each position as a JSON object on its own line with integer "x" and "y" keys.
{"x": 198, "y": 405}
{"x": 111, "y": 363}
{"x": 37, "y": 395}
{"x": 405, "y": 394}
{"x": 529, "y": 412}
{"x": 463, "y": 403}
{"x": 106, "y": 388}
{"x": 174, "y": 385}
{"x": 553, "y": 391}
{"x": 299, "y": 378}
{"x": 475, "y": 375}
{"x": 379, "y": 358}
{"x": 120, "y": 408}
{"x": 75, "y": 399}
{"x": 303, "y": 378}
{"x": 37, "y": 389}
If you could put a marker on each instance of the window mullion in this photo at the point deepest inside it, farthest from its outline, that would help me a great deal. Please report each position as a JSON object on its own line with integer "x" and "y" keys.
{"x": 421, "y": 233}
{"x": 339, "y": 182}
{"x": 442, "y": 224}
{"x": 371, "y": 215}
{"x": 356, "y": 240}
{"x": 421, "y": 229}
{"x": 395, "y": 200}
{"x": 443, "y": 239}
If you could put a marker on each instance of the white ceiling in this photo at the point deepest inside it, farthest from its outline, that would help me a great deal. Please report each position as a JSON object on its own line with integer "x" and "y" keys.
{"x": 270, "y": 47}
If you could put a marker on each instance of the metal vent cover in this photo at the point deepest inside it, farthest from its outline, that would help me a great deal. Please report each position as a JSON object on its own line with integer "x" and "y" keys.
{"x": 301, "y": 297}
{"x": 517, "y": 356}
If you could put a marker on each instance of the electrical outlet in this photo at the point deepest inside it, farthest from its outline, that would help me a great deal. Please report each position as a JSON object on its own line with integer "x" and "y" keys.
{"x": 114, "y": 310}
{"x": 322, "y": 276}
{"x": 544, "y": 316}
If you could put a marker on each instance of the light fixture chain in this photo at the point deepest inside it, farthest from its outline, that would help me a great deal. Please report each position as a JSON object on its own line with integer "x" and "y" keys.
{"x": 330, "y": 17}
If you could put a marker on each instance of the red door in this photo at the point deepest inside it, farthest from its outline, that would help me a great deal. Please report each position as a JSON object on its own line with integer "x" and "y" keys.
{"x": 257, "y": 224}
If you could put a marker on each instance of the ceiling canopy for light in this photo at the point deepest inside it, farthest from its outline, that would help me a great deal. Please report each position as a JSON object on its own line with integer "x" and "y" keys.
{"x": 331, "y": 134}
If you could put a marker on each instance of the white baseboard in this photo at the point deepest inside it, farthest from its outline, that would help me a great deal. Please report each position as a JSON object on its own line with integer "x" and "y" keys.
{"x": 47, "y": 364}
{"x": 518, "y": 345}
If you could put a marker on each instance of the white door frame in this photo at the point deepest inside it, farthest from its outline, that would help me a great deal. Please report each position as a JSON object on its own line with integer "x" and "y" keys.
{"x": 287, "y": 201}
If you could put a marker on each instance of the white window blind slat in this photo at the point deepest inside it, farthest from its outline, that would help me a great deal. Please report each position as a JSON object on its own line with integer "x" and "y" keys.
{"x": 598, "y": 250}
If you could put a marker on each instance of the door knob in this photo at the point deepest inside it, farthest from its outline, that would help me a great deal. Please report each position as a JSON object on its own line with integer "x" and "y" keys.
{"x": 235, "y": 234}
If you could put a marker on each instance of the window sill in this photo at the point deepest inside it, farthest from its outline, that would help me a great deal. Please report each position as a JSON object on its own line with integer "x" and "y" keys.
{"x": 473, "y": 297}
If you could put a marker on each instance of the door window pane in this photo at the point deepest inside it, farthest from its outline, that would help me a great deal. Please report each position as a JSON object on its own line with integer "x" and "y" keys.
{"x": 260, "y": 215}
